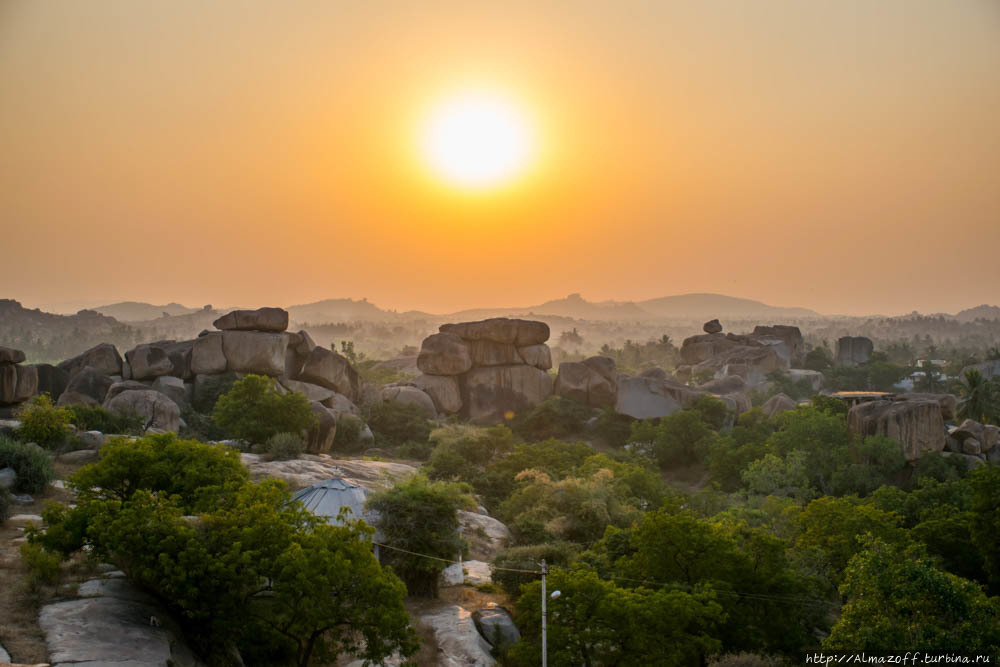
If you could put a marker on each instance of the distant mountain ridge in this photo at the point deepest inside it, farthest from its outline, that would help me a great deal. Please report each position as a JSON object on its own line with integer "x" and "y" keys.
{"x": 137, "y": 311}
{"x": 574, "y": 306}
{"x": 983, "y": 312}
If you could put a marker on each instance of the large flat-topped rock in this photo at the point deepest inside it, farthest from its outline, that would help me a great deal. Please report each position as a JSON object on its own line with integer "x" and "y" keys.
{"x": 444, "y": 354}
{"x": 262, "y": 319}
{"x": 916, "y": 424}
{"x": 9, "y": 355}
{"x": 501, "y": 330}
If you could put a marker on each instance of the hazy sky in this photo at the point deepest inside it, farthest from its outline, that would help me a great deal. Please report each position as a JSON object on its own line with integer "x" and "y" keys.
{"x": 840, "y": 155}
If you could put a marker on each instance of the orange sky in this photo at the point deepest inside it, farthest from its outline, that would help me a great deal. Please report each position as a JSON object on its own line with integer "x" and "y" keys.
{"x": 842, "y": 155}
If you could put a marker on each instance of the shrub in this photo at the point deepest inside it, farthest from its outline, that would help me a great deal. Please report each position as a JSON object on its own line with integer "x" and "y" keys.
{"x": 395, "y": 423}
{"x": 32, "y": 465}
{"x": 43, "y": 565}
{"x": 555, "y": 417}
{"x": 614, "y": 429}
{"x": 420, "y": 516}
{"x": 284, "y": 446}
{"x": 348, "y": 433}
{"x": 97, "y": 418}
{"x": 43, "y": 423}
{"x": 253, "y": 410}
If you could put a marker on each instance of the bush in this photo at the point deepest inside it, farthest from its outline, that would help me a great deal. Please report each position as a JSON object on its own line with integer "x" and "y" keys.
{"x": 43, "y": 565}
{"x": 682, "y": 438}
{"x": 348, "y": 433}
{"x": 32, "y": 465}
{"x": 284, "y": 446}
{"x": 614, "y": 429}
{"x": 253, "y": 410}
{"x": 43, "y": 423}
{"x": 395, "y": 423}
{"x": 420, "y": 516}
{"x": 97, "y": 418}
{"x": 555, "y": 417}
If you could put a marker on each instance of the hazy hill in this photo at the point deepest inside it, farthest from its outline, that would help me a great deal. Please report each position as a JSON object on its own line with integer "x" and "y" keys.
{"x": 136, "y": 311}
{"x": 345, "y": 310}
{"x": 707, "y": 306}
{"x": 982, "y": 312}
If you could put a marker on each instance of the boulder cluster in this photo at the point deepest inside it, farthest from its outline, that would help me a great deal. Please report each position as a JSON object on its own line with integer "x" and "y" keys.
{"x": 751, "y": 356}
{"x": 157, "y": 380}
{"x": 853, "y": 351}
{"x": 485, "y": 371}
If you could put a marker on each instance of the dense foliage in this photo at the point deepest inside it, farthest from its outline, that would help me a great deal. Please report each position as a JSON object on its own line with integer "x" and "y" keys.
{"x": 241, "y": 565}
{"x": 43, "y": 423}
{"x": 97, "y": 418}
{"x": 419, "y": 517}
{"x": 32, "y": 465}
{"x": 254, "y": 411}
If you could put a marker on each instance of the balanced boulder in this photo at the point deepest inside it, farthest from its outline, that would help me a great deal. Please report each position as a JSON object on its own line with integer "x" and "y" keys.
{"x": 262, "y": 319}
{"x": 501, "y": 330}
{"x": 712, "y": 327}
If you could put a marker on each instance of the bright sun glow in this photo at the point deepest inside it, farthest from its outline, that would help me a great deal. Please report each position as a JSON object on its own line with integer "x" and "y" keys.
{"x": 477, "y": 140}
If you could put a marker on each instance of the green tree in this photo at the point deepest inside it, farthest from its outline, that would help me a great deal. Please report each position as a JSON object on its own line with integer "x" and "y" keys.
{"x": 682, "y": 438}
{"x": 595, "y": 622}
{"x": 897, "y": 596}
{"x": 834, "y": 525}
{"x": 253, "y": 410}
{"x": 419, "y": 517}
{"x": 985, "y": 520}
{"x": 253, "y": 572}
{"x": 978, "y": 398}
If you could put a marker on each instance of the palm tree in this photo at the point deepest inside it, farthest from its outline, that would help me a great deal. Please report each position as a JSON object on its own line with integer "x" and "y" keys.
{"x": 978, "y": 399}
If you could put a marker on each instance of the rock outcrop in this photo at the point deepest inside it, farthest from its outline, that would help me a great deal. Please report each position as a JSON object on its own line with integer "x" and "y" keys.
{"x": 593, "y": 382}
{"x": 159, "y": 413}
{"x": 104, "y": 358}
{"x": 916, "y": 424}
{"x": 777, "y": 404}
{"x": 853, "y": 351}
{"x": 948, "y": 402}
{"x": 18, "y": 382}
{"x": 89, "y": 387}
{"x": 750, "y": 356}
{"x": 113, "y": 623}
{"x": 494, "y": 368}
{"x": 790, "y": 336}
{"x": 309, "y": 469}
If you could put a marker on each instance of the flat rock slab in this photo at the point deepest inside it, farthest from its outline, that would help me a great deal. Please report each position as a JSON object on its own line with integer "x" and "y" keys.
{"x": 309, "y": 469}
{"x": 118, "y": 625}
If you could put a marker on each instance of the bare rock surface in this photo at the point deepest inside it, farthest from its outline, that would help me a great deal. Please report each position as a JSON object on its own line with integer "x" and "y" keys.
{"x": 917, "y": 424}
{"x": 104, "y": 358}
{"x": 114, "y": 624}
{"x": 486, "y": 536}
{"x": 777, "y": 404}
{"x": 309, "y": 469}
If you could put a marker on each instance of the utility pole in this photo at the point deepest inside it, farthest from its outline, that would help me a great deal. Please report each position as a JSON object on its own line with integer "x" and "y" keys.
{"x": 545, "y": 649}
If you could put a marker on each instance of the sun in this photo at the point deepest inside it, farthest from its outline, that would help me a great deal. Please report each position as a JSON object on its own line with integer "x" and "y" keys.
{"x": 477, "y": 140}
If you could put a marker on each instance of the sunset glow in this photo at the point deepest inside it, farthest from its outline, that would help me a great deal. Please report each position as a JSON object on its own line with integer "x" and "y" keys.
{"x": 477, "y": 140}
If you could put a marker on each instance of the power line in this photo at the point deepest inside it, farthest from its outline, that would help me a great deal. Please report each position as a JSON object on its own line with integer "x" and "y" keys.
{"x": 761, "y": 597}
